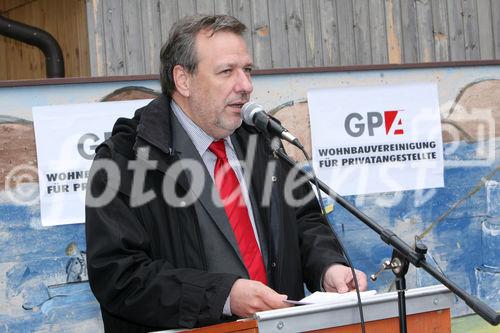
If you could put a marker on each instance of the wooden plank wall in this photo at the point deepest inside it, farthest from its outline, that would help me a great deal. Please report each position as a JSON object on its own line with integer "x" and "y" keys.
{"x": 126, "y": 35}
{"x": 65, "y": 20}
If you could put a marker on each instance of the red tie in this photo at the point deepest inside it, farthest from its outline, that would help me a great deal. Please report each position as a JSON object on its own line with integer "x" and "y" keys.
{"x": 237, "y": 213}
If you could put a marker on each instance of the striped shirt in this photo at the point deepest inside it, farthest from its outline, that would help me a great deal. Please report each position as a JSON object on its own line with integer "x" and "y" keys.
{"x": 202, "y": 141}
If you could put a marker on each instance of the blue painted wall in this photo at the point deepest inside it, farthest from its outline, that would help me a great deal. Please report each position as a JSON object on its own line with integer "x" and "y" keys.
{"x": 451, "y": 222}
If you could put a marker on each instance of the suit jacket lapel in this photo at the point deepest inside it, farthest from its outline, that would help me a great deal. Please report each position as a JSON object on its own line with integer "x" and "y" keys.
{"x": 213, "y": 206}
{"x": 259, "y": 223}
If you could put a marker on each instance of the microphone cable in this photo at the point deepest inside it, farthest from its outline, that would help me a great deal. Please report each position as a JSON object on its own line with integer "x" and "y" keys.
{"x": 342, "y": 248}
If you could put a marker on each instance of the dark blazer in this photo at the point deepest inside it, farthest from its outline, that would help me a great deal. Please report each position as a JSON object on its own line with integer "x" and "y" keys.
{"x": 147, "y": 263}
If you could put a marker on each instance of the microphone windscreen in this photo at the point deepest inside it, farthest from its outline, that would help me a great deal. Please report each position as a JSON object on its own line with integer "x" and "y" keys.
{"x": 248, "y": 112}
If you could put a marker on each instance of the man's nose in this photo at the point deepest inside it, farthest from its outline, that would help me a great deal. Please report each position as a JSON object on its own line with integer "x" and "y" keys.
{"x": 243, "y": 82}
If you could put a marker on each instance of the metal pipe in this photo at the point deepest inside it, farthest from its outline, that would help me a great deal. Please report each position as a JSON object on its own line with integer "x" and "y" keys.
{"x": 54, "y": 60}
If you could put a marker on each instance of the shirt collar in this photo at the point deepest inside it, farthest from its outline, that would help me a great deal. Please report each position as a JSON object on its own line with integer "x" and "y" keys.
{"x": 200, "y": 138}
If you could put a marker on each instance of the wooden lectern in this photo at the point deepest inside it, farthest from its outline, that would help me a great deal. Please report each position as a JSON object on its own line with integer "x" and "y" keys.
{"x": 428, "y": 310}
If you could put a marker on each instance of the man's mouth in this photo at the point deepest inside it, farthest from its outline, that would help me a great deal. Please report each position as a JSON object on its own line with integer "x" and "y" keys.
{"x": 236, "y": 105}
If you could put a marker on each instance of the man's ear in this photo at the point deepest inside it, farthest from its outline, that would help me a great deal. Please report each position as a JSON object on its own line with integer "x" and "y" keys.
{"x": 182, "y": 80}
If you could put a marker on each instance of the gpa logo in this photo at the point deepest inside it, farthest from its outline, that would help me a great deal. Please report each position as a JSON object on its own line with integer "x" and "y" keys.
{"x": 355, "y": 124}
{"x": 88, "y": 143}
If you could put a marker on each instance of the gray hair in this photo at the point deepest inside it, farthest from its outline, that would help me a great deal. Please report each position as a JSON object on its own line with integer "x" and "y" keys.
{"x": 180, "y": 46}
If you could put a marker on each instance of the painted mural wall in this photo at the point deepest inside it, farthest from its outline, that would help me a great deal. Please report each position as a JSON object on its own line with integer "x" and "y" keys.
{"x": 43, "y": 281}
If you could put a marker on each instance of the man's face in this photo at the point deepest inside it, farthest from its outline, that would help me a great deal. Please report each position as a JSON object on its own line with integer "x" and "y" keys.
{"x": 221, "y": 83}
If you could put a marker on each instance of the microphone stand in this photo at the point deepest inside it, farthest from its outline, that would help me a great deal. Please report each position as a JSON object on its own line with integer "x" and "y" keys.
{"x": 403, "y": 254}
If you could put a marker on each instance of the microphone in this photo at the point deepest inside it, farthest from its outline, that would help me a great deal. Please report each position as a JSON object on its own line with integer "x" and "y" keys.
{"x": 253, "y": 114}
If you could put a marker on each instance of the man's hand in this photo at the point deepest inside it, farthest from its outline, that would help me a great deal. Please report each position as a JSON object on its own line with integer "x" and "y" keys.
{"x": 338, "y": 278}
{"x": 249, "y": 297}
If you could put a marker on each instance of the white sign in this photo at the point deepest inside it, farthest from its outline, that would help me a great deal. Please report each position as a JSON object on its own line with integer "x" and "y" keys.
{"x": 377, "y": 138}
{"x": 66, "y": 137}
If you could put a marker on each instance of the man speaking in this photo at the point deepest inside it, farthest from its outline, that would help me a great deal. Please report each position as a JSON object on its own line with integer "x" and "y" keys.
{"x": 204, "y": 224}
